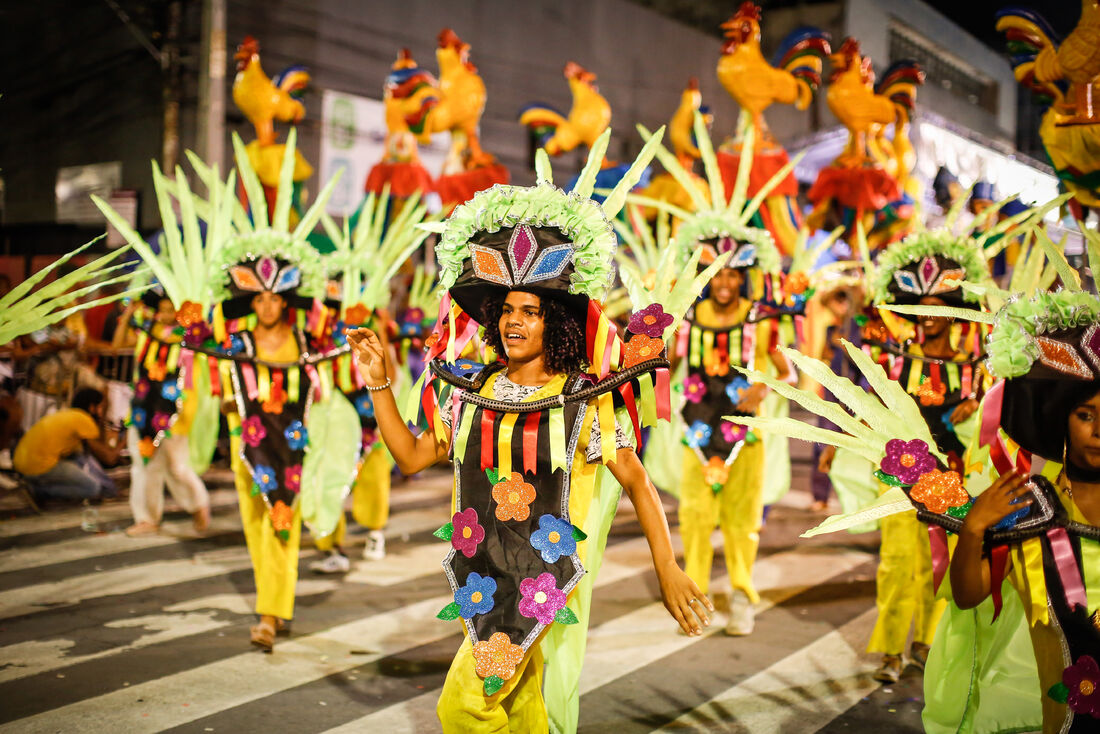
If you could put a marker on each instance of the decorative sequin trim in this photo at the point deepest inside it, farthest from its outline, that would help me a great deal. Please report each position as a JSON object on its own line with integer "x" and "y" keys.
{"x": 489, "y": 265}
{"x": 1062, "y": 357}
{"x": 550, "y": 264}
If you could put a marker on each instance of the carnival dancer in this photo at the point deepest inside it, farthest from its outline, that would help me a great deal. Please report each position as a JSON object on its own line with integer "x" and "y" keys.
{"x": 528, "y": 434}
{"x": 264, "y": 282}
{"x": 927, "y": 269}
{"x": 162, "y": 414}
{"x": 360, "y": 273}
{"x": 722, "y": 483}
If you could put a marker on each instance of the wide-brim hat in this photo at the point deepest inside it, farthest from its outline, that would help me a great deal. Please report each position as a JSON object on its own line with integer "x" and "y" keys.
{"x": 930, "y": 264}
{"x": 250, "y": 277}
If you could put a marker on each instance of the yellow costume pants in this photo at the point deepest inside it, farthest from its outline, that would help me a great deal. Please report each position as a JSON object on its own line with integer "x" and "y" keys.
{"x": 370, "y": 499}
{"x": 737, "y": 510}
{"x": 904, "y": 586}
{"x": 464, "y": 708}
{"x": 274, "y": 562}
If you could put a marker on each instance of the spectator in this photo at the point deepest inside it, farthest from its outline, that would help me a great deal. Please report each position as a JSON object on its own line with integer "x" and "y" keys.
{"x": 62, "y": 454}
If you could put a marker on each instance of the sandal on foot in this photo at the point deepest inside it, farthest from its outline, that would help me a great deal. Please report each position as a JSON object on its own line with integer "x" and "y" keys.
{"x": 263, "y": 636}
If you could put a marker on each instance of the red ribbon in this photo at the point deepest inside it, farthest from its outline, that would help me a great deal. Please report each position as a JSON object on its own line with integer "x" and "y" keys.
{"x": 937, "y": 383}
{"x": 627, "y": 391}
{"x": 967, "y": 379}
{"x": 487, "y": 442}
{"x": 1068, "y": 570}
{"x": 937, "y": 539}
{"x": 530, "y": 442}
{"x": 215, "y": 377}
{"x": 998, "y": 562}
{"x": 428, "y": 403}
{"x": 664, "y": 406}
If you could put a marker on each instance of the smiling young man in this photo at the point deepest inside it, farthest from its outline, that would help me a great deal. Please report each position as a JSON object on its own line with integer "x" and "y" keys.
{"x": 529, "y": 433}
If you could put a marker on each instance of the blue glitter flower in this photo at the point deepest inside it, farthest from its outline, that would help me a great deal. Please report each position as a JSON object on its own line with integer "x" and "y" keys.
{"x": 170, "y": 391}
{"x": 476, "y": 597}
{"x": 138, "y": 418}
{"x": 340, "y": 333}
{"x": 234, "y": 344}
{"x": 264, "y": 477}
{"x": 553, "y": 539}
{"x": 364, "y": 405}
{"x": 296, "y": 436}
{"x": 736, "y": 388}
{"x": 698, "y": 435}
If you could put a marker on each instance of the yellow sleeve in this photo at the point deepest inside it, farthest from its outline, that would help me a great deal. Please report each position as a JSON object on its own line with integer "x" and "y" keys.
{"x": 84, "y": 425}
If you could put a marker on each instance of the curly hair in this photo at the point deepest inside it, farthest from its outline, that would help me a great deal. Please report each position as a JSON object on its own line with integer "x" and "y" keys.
{"x": 563, "y": 345}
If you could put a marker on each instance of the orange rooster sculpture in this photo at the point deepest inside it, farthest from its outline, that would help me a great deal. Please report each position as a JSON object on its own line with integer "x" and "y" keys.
{"x": 588, "y": 117}
{"x": 792, "y": 78}
{"x": 681, "y": 135}
{"x": 870, "y": 180}
{"x": 264, "y": 100}
{"x": 408, "y": 95}
{"x": 1064, "y": 74}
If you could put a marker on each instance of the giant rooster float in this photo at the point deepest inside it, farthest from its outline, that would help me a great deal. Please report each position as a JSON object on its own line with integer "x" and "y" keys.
{"x": 756, "y": 85}
{"x": 870, "y": 180}
{"x": 264, "y": 100}
{"x": 1064, "y": 74}
{"x": 589, "y": 116}
{"x": 419, "y": 105}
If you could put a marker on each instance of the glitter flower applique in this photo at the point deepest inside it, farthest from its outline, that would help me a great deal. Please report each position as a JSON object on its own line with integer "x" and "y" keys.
{"x": 694, "y": 389}
{"x": 170, "y": 391}
{"x": 161, "y": 421}
{"x": 137, "y": 418}
{"x": 929, "y": 395}
{"x": 496, "y": 660}
{"x": 513, "y": 497}
{"x": 282, "y": 519}
{"x": 292, "y": 478}
{"x": 736, "y": 388}
{"x": 542, "y": 599}
{"x": 141, "y": 389}
{"x": 733, "y": 432}
{"x": 698, "y": 435}
{"x": 907, "y": 460}
{"x": 297, "y": 437}
{"x": 475, "y": 597}
{"x": 938, "y": 491}
{"x": 1080, "y": 687}
{"x": 466, "y": 532}
{"x": 253, "y": 431}
{"x": 264, "y": 477}
{"x": 364, "y": 406}
{"x": 715, "y": 473}
{"x": 650, "y": 321}
{"x": 641, "y": 348}
{"x": 554, "y": 538}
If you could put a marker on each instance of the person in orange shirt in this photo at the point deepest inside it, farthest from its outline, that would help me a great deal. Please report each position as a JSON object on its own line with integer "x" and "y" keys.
{"x": 62, "y": 454}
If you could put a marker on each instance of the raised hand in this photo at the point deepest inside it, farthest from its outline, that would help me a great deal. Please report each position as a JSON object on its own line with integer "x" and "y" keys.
{"x": 370, "y": 354}
{"x": 997, "y": 503}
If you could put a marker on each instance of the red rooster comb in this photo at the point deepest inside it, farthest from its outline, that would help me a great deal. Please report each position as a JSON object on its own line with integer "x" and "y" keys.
{"x": 693, "y": 84}
{"x": 748, "y": 11}
{"x": 449, "y": 39}
{"x": 573, "y": 70}
{"x": 850, "y": 47}
{"x": 249, "y": 47}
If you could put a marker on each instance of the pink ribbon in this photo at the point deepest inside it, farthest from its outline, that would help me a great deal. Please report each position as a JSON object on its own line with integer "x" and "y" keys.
{"x": 664, "y": 406}
{"x": 314, "y": 379}
{"x": 896, "y": 366}
{"x": 682, "y": 339}
{"x": 748, "y": 344}
{"x": 187, "y": 365}
{"x": 1068, "y": 570}
{"x": 249, "y": 376}
{"x": 991, "y": 421}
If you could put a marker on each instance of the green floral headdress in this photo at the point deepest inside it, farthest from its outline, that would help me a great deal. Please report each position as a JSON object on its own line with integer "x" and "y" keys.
{"x": 930, "y": 263}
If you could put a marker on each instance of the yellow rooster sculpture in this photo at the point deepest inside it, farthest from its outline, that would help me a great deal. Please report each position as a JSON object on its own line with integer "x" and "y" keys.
{"x": 1066, "y": 75}
{"x": 681, "y": 134}
{"x": 754, "y": 83}
{"x": 588, "y": 117}
{"x": 263, "y": 101}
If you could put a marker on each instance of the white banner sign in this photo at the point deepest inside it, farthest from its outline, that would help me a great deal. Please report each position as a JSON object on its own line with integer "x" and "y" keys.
{"x": 353, "y": 135}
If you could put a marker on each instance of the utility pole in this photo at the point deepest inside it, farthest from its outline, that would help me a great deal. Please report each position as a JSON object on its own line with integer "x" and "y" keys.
{"x": 212, "y": 66}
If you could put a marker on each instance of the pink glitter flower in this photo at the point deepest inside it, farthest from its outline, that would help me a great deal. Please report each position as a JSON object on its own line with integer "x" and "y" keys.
{"x": 541, "y": 598}
{"x": 694, "y": 388}
{"x": 468, "y": 533}
{"x": 253, "y": 431}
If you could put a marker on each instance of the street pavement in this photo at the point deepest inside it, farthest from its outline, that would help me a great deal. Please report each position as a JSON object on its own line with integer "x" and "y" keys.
{"x": 102, "y": 632}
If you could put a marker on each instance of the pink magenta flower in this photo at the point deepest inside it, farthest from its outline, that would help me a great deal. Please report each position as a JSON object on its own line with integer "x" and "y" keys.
{"x": 907, "y": 460}
{"x": 694, "y": 388}
{"x": 651, "y": 321}
{"x": 253, "y": 431}
{"x": 292, "y": 478}
{"x": 541, "y": 598}
{"x": 468, "y": 533}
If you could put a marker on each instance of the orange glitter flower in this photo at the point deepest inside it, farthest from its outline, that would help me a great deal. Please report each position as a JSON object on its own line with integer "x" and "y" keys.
{"x": 929, "y": 395}
{"x": 158, "y": 371}
{"x": 938, "y": 491}
{"x": 715, "y": 472}
{"x": 641, "y": 348}
{"x": 718, "y": 365}
{"x": 497, "y": 656}
{"x": 189, "y": 313}
{"x": 513, "y": 497}
{"x": 356, "y": 315}
{"x": 146, "y": 447}
{"x": 281, "y": 516}
{"x": 275, "y": 403}
{"x": 797, "y": 282}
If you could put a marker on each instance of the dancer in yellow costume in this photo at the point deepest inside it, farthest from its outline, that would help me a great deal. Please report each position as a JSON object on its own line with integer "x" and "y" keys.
{"x": 529, "y": 435}
{"x": 723, "y": 478}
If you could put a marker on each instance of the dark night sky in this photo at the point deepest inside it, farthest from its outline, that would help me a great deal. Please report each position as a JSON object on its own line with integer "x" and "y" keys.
{"x": 977, "y": 16}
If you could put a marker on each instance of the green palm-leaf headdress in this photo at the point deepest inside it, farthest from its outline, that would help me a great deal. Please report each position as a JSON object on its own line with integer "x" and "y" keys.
{"x": 717, "y": 224}
{"x": 366, "y": 259}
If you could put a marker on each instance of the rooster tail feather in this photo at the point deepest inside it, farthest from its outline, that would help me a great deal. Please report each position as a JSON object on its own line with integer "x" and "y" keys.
{"x": 802, "y": 53}
{"x": 293, "y": 80}
{"x": 900, "y": 83}
{"x": 541, "y": 118}
{"x": 1027, "y": 21}
{"x": 1026, "y": 34}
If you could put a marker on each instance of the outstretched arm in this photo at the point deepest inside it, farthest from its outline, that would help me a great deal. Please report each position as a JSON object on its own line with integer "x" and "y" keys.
{"x": 970, "y": 581}
{"x": 412, "y": 453}
{"x": 682, "y": 598}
